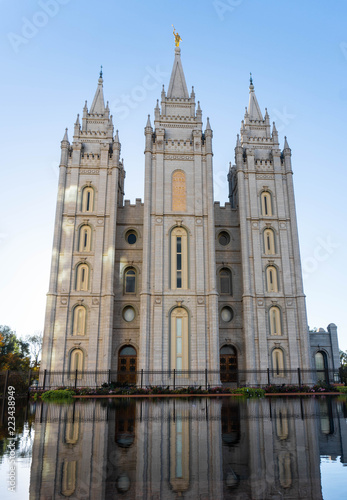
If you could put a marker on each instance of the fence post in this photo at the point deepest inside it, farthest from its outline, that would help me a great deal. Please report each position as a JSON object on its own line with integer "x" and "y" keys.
{"x": 76, "y": 379}
{"x": 299, "y": 377}
{"x": 6, "y": 383}
{"x": 44, "y": 380}
{"x": 268, "y": 376}
{"x": 141, "y": 377}
{"x": 174, "y": 378}
{"x": 206, "y": 379}
{"x": 327, "y": 376}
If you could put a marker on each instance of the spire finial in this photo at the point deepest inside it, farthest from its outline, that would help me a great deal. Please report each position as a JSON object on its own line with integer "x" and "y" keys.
{"x": 250, "y": 79}
{"x": 101, "y": 71}
{"x": 178, "y": 39}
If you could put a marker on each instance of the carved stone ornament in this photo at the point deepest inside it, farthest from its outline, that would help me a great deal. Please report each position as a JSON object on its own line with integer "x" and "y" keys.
{"x": 200, "y": 300}
{"x": 100, "y": 222}
{"x": 255, "y": 225}
{"x": 179, "y": 302}
{"x": 199, "y": 221}
{"x": 260, "y": 302}
{"x": 159, "y": 220}
{"x": 158, "y": 300}
{"x": 63, "y": 301}
{"x": 95, "y": 301}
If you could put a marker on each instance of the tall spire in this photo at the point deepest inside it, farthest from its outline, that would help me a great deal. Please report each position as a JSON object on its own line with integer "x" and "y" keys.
{"x": 253, "y": 106}
{"x": 177, "y": 85}
{"x": 98, "y": 104}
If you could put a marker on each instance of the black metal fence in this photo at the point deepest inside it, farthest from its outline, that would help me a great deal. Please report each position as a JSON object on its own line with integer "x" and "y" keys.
{"x": 45, "y": 379}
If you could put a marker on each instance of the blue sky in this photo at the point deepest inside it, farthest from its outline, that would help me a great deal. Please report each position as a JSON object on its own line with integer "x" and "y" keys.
{"x": 51, "y": 56}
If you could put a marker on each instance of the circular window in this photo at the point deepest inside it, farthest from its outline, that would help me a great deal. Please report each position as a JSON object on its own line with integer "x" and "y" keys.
{"x": 131, "y": 237}
{"x": 224, "y": 238}
{"x": 226, "y": 314}
{"x": 128, "y": 313}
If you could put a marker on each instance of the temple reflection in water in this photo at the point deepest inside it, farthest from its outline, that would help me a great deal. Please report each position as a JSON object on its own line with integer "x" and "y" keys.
{"x": 208, "y": 448}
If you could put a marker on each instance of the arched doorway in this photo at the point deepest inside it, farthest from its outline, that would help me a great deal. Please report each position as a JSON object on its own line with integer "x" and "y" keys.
{"x": 127, "y": 363}
{"x": 228, "y": 364}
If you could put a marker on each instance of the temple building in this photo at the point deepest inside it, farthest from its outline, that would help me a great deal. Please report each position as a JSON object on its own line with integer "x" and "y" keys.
{"x": 178, "y": 282}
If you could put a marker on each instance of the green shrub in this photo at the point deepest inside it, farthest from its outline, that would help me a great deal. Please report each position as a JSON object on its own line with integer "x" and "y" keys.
{"x": 250, "y": 392}
{"x": 341, "y": 388}
{"x": 59, "y": 394}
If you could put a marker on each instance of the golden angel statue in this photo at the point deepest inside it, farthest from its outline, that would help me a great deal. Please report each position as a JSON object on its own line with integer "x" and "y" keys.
{"x": 178, "y": 39}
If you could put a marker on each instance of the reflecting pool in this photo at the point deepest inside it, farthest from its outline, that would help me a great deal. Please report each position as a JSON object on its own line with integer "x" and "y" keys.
{"x": 203, "y": 448}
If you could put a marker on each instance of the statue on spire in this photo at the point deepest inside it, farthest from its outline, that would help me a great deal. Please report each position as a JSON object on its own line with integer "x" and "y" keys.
{"x": 178, "y": 39}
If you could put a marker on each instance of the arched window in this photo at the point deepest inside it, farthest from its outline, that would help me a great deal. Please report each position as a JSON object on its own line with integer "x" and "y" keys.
{"x": 79, "y": 321}
{"x": 72, "y": 425}
{"x": 179, "y": 191}
{"x": 278, "y": 362}
{"x": 321, "y": 363}
{"x": 275, "y": 321}
{"x": 266, "y": 203}
{"x": 130, "y": 280}
{"x": 76, "y": 363}
{"x": 179, "y": 339}
{"x": 271, "y": 279}
{"x": 284, "y": 469}
{"x": 68, "y": 478}
{"x": 82, "y": 277}
{"x": 179, "y": 258}
{"x": 85, "y": 238}
{"x": 88, "y": 199}
{"x": 225, "y": 284}
{"x": 281, "y": 423}
{"x": 269, "y": 242}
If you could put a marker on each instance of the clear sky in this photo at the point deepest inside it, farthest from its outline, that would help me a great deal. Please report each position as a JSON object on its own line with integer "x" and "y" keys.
{"x": 51, "y": 56}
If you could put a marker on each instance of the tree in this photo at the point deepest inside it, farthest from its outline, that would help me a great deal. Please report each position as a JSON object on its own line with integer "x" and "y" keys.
{"x": 14, "y": 352}
{"x": 35, "y": 346}
{"x": 343, "y": 369}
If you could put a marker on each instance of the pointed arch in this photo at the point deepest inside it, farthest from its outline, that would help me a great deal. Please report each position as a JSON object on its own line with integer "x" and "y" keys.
{"x": 85, "y": 238}
{"x": 179, "y": 203}
{"x": 79, "y": 316}
{"x": 275, "y": 321}
{"x": 68, "y": 478}
{"x": 271, "y": 279}
{"x": 266, "y": 203}
{"x": 82, "y": 277}
{"x": 179, "y": 330}
{"x": 87, "y": 199}
{"x": 225, "y": 281}
{"x": 76, "y": 363}
{"x": 278, "y": 365}
{"x": 129, "y": 280}
{"x": 269, "y": 242}
{"x": 179, "y": 258}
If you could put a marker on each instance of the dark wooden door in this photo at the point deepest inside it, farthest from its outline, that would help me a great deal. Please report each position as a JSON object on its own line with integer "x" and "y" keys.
{"x": 127, "y": 361}
{"x": 228, "y": 364}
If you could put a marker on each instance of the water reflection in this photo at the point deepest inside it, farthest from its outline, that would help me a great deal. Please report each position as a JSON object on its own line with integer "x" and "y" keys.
{"x": 225, "y": 448}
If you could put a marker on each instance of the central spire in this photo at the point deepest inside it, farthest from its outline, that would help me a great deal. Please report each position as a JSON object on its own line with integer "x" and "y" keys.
{"x": 177, "y": 85}
{"x": 254, "y": 112}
